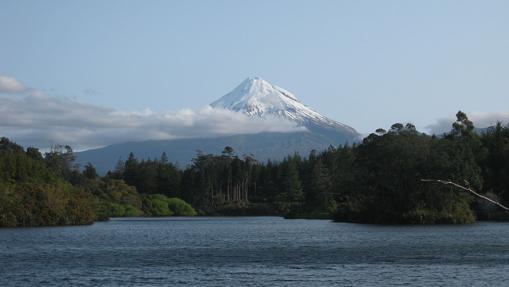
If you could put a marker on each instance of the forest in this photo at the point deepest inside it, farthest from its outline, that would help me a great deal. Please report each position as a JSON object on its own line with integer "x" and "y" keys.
{"x": 378, "y": 180}
{"x": 50, "y": 190}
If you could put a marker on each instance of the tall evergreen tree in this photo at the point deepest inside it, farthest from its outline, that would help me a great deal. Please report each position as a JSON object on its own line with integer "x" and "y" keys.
{"x": 291, "y": 194}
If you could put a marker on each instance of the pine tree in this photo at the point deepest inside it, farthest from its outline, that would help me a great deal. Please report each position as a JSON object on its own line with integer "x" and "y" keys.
{"x": 318, "y": 197}
{"x": 291, "y": 194}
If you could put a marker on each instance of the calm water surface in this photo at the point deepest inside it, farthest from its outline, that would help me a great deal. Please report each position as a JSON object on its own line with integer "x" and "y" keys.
{"x": 254, "y": 251}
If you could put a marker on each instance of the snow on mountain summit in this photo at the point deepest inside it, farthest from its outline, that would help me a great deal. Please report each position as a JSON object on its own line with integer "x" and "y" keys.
{"x": 257, "y": 97}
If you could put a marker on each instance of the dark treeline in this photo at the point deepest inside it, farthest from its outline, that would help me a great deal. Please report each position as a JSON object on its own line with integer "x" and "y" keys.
{"x": 37, "y": 190}
{"x": 33, "y": 193}
{"x": 375, "y": 181}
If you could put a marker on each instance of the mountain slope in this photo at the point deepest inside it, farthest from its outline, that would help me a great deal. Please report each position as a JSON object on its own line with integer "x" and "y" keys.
{"x": 263, "y": 146}
{"x": 256, "y": 98}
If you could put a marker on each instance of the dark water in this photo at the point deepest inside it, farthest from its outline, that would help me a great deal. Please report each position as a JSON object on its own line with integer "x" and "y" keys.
{"x": 254, "y": 251}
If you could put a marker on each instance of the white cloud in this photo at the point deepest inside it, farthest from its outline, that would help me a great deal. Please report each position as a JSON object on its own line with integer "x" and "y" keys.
{"x": 10, "y": 85}
{"x": 40, "y": 120}
{"x": 480, "y": 120}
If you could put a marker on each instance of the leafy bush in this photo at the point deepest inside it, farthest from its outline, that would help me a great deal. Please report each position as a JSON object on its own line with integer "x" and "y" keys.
{"x": 180, "y": 208}
{"x": 29, "y": 204}
{"x": 156, "y": 205}
{"x": 160, "y": 205}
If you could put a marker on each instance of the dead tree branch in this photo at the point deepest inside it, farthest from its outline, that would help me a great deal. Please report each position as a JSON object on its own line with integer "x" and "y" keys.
{"x": 445, "y": 182}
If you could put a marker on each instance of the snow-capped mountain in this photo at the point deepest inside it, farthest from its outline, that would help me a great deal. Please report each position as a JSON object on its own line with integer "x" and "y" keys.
{"x": 257, "y": 97}
{"x": 254, "y": 97}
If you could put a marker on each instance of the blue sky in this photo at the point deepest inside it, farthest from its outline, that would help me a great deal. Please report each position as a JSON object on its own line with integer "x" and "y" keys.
{"x": 365, "y": 63}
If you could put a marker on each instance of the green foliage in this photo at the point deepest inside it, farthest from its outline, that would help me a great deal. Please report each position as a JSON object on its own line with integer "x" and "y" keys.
{"x": 213, "y": 182}
{"x": 376, "y": 181}
{"x": 156, "y": 205}
{"x": 160, "y": 205}
{"x": 495, "y": 165}
{"x": 318, "y": 197}
{"x": 115, "y": 198}
{"x": 50, "y": 190}
{"x": 28, "y": 204}
{"x": 60, "y": 160}
{"x": 89, "y": 171}
{"x": 290, "y": 190}
{"x": 112, "y": 209}
{"x": 149, "y": 176}
{"x": 387, "y": 172}
{"x": 180, "y": 208}
{"x": 33, "y": 194}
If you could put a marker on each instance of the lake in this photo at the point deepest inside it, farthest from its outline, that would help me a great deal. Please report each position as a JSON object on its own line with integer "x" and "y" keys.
{"x": 254, "y": 251}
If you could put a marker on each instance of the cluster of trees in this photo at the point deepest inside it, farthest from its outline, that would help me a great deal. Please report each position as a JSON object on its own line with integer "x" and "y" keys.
{"x": 32, "y": 193}
{"x": 379, "y": 180}
{"x": 49, "y": 190}
{"x": 384, "y": 184}
{"x": 375, "y": 181}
